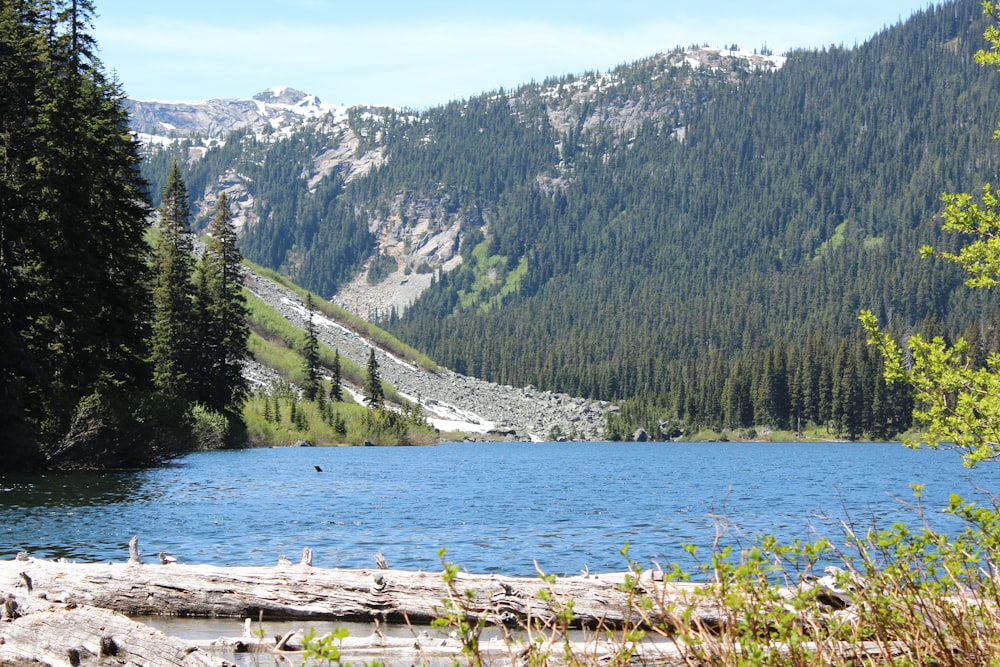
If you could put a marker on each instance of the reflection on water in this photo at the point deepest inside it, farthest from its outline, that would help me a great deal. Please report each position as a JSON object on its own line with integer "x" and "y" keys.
{"x": 496, "y": 507}
{"x": 54, "y": 490}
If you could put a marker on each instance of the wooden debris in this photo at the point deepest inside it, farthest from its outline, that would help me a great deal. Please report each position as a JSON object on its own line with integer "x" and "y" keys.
{"x": 58, "y": 613}
{"x": 82, "y": 636}
{"x": 299, "y": 592}
{"x": 133, "y": 551}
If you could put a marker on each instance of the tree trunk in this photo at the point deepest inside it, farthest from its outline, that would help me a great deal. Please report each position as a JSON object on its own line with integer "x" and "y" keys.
{"x": 301, "y": 592}
{"x": 36, "y": 633}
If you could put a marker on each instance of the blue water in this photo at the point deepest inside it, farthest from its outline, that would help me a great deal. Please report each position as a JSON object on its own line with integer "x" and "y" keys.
{"x": 496, "y": 507}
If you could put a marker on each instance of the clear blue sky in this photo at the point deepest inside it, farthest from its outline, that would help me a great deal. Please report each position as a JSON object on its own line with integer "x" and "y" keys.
{"x": 422, "y": 53}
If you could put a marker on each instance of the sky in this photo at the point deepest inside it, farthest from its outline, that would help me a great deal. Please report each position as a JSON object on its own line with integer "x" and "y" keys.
{"x": 418, "y": 53}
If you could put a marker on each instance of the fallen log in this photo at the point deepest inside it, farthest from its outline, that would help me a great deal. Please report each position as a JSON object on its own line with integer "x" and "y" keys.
{"x": 426, "y": 648}
{"x": 36, "y": 633}
{"x": 594, "y": 650}
{"x": 59, "y": 613}
{"x": 301, "y": 592}
{"x": 48, "y": 597}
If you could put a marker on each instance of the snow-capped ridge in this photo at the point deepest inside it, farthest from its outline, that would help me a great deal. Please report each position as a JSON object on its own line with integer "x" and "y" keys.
{"x": 712, "y": 56}
{"x": 277, "y": 108}
{"x": 290, "y": 99}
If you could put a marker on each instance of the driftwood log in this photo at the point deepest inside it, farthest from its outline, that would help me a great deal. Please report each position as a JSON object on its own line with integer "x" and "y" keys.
{"x": 34, "y": 632}
{"x": 301, "y": 592}
{"x": 58, "y": 613}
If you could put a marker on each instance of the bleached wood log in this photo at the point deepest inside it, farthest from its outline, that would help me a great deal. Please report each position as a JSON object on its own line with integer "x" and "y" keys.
{"x": 428, "y": 648}
{"x": 588, "y": 649}
{"x": 68, "y": 615}
{"x": 42, "y": 634}
{"x": 297, "y": 592}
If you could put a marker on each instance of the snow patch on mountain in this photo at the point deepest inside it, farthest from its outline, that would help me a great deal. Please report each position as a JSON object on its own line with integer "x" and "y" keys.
{"x": 715, "y": 58}
{"x": 279, "y": 108}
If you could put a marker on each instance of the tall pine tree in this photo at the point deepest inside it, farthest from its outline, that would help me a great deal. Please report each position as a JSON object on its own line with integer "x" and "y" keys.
{"x": 336, "y": 383}
{"x": 310, "y": 354}
{"x": 223, "y": 331}
{"x": 173, "y": 294}
{"x": 374, "y": 395}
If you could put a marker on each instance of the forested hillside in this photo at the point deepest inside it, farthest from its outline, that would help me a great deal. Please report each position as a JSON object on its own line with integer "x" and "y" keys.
{"x": 678, "y": 269}
{"x": 697, "y": 239}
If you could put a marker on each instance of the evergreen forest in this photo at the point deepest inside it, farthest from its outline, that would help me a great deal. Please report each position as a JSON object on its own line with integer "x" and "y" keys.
{"x": 112, "y": 355}
{"x": 693, "y": 242}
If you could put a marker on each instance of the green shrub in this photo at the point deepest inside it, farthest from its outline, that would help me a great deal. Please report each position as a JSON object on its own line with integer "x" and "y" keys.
{"x": 209, "y": 428}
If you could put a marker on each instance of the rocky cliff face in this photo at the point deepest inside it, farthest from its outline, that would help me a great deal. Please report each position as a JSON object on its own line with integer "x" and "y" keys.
{"x": 423, "y": 236}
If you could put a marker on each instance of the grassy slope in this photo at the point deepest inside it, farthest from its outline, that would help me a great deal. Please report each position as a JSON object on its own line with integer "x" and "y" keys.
{"x": 382, "y": 338}
{"x": 277, "y": 417}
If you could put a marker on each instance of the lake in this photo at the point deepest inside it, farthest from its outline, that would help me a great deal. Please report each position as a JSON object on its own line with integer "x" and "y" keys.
{"x": 495, "y": 507}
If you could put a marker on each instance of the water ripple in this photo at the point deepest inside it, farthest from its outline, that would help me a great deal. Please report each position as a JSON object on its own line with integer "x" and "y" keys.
{"x": 496, "y": 507}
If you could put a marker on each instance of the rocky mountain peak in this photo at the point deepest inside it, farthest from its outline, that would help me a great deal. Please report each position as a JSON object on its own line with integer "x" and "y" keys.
{"x": 276, "y": 109}
{"x": 285, "y": 95}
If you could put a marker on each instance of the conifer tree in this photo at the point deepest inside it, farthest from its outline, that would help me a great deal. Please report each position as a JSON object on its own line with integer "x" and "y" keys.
{"x": 338, "y": 424}
{"x": 173, "y": 294}
{"x": 20, "y": 73}
{"x": 224, "y": 333}
{"x": 310, "y": 354}
{"x": 73, "y": 273}
{"x": 203, "y": 334}
{"x": 93, "y": 205}
{"x": 374, "y": 395}
{"x": 336, "y": 384}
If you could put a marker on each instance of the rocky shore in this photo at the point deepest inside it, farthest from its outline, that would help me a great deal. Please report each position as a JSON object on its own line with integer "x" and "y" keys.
{"x": 451, "y": 401}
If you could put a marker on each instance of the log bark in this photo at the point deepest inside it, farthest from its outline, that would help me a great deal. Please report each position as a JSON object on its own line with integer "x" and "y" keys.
{"x": 36, "y": 633}
{"x": 301, "y": 592}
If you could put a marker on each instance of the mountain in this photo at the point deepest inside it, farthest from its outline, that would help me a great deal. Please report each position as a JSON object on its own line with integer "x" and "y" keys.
{"x": 277, "y": 109}
{"x": 697, "y": 230}
{"x": 418, "y": 228}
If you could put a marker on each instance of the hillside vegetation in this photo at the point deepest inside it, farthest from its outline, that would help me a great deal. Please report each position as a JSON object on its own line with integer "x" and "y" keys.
{"x": 693, "y": 233}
